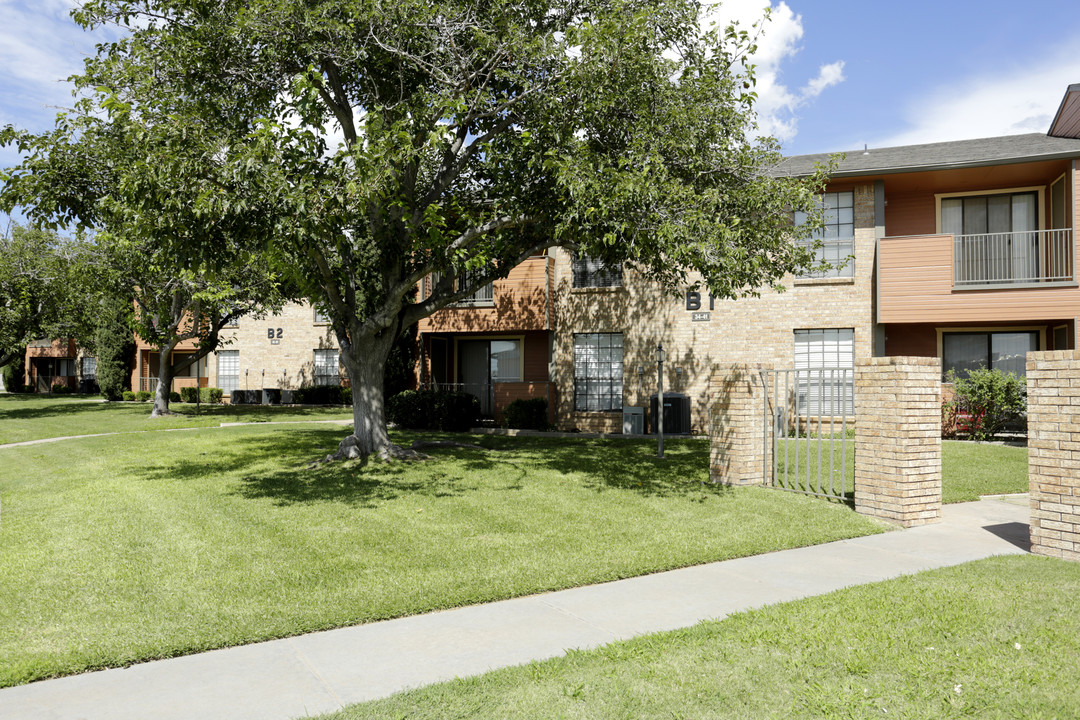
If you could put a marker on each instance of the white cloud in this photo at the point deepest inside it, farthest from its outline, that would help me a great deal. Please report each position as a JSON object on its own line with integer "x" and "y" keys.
{"x": 1021, "y": 100}
{"x": 778, "y": 43}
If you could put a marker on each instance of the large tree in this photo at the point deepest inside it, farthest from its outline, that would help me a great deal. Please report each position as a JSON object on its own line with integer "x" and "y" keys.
{"x": 382, "y": 142}
{"x": 46, "y": 288}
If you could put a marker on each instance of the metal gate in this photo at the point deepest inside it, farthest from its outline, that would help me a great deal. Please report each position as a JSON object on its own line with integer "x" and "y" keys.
{"x": 808, "y": 441}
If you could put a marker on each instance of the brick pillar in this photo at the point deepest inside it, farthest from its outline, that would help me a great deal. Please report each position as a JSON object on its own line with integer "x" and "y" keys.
{"x": 736, "y": 425}
{"x": 898, "y": 439}
{"x": 1053, "y": 388}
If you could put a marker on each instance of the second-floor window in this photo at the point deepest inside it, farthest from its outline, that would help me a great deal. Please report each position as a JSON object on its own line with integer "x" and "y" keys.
{"x": 594, "y": 272}
{"x": 837, "y": 236}
{"x": 326, "y": 368}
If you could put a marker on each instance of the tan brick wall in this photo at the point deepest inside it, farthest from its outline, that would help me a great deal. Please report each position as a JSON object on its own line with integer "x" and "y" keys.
{"x": 748, "y": 330}
{"x": 737, "y": 429}
{"x": 898, "y": 439}
{"x": 1053, "y": 386}
{"x": 288, "y": 364}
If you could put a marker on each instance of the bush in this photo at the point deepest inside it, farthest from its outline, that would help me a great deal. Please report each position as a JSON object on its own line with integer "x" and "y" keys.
{"x": 988, "y": 402}
{"x": 114, "y": 345}
{"x": 211, "y": 396}
{"x": 187, "y": 394}
{"x": 143, "y": 395}
{"x": 128, "y": 395}
{"x": 529, "y": 414}
{"x": 174, "y": 396}
{"x": 433, "y": 410}
{"x": 321, "y": 395}
{"x": 60, "y": 389}
{"x": 13, "y": 375}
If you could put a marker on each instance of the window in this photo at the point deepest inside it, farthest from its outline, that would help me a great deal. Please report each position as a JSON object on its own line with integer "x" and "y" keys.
{"x": 825, "y": 368}
{"x": 1007, "y": 351}
{"x": 483, "y": 295}
{"x": 89, "y": 368}
{"x": 837, "y": 236}
{"x": 995, "y": 236}
{"x": 320, "y": 317}
{"x": 326, "y": 368}
{"x": 593, "y": 272}
{"x": 228, "y": 370}
{"x": 598, "y": 371}
{"x": 66, "y": 367}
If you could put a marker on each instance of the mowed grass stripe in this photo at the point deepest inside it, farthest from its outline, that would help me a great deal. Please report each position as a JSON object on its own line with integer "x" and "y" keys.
{"x": 133, "y": 547}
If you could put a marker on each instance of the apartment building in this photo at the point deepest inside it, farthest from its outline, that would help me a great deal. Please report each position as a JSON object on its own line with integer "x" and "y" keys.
{"x": 496, "y": 344}
{"x": 59, "y": 362}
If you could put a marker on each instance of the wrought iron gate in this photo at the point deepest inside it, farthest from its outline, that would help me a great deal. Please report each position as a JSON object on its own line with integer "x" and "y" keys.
{"x": 808, "y": 441}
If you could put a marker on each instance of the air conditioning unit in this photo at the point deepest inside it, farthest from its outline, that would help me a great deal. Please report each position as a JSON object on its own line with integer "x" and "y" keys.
{"x": 633, "y": 421}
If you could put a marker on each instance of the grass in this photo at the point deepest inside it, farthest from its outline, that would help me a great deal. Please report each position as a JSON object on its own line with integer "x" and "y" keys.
{"x": 35, "y": 417}
{"x": 130, "y": 547}
{"x": 970, "y": 469}
{"x": 996, "y": 638}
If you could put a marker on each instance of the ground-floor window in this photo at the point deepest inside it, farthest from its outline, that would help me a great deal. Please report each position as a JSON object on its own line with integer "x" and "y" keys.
{"x": 598, "y": 371}
{"x": 326, "y": 368}
{"x": 825, "y": 359}
{"x": 228, "y": 370}
{"x": 89, "y": 368}
{"x": 1007, "y": 351}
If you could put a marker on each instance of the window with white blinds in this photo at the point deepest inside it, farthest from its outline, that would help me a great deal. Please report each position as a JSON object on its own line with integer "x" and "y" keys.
{"x": 825, "y": 363}
{"x": 228, "y": 370}
{"x": 326, "y": 367}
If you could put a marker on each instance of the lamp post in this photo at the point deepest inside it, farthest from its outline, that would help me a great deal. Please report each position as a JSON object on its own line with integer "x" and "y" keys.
{"x": 660, "y": 400}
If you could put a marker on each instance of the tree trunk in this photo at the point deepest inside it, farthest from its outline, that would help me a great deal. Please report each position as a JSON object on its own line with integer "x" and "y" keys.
{"x": 365, "y": 363}
{"x": 165, "y": 378}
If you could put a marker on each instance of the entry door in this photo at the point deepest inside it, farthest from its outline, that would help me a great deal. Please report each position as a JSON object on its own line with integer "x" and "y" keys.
{"x": 474, "y": 372}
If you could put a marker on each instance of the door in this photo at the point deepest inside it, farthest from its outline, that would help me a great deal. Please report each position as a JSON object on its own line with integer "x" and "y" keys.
{"x": 474, "y": 371}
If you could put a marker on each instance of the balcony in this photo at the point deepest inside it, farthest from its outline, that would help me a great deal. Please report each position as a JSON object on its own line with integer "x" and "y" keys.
{"x": 999, "y": 277}
{"x": 1013, "y": 259}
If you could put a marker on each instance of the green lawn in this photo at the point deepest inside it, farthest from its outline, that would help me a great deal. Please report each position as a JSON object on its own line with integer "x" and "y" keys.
{"x": 997, "y": 638}
{"x": 34, "y": 417}
{"x": 128, "y": 547}
{"x": 970, "y": 469}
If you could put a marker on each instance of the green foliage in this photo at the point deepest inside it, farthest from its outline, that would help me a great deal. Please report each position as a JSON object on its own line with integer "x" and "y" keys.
{"x": 174, "y": 396}
{"x": 128, "y": 395}
{"x": 15, "y": 374}
{"x": 531, "y": 414}
{"x": 114, "y": 345}
{"x": 60, "y": 388}
{"x": 143, "y": 395}
{"x": 188, "y": 394}
{"x": 211, "y": 395}
{"x": 989, "y": 401}
{"x": 448, "y": 410}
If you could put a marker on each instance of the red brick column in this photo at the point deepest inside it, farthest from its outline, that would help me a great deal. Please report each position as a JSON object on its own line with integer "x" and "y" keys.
{"x": 737, "y": 427}
{"x": 1053, "y": 386}
{"x": 898, "y": 439}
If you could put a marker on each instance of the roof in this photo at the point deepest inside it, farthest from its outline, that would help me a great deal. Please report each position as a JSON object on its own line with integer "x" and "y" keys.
{"x": 1067, "y": 120}
{"x": 1005, "y": 150}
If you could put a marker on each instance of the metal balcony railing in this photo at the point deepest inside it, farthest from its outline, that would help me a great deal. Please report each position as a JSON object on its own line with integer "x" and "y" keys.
{"x": 1013, "y": 258}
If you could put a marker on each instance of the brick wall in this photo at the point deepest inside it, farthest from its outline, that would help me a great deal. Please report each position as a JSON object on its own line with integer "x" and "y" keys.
{"x": 898, "y": 439}
{"x": 749, "y": 330}
{"x": 737, "y": 428}
{"x": 1053, "y": 386}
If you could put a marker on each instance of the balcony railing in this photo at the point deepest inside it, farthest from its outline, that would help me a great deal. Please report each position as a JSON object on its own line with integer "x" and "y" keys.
{"x": 1013, "y": 258}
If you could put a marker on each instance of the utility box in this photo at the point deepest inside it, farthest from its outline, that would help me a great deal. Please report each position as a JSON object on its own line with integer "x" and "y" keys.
{"x": 271, "y": 396}
{"x": 676, "y": 414}
{"x": 633, "y": 421}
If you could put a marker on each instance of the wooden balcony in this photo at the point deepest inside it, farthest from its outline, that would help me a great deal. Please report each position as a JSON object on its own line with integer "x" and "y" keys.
{"x": 1000, "y": 277}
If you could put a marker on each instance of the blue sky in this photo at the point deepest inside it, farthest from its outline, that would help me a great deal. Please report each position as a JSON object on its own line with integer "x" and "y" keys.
{"x": 832, "y": 74}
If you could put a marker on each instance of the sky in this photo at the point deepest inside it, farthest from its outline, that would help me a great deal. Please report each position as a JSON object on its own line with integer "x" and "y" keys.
{"x": 832, "y": 75}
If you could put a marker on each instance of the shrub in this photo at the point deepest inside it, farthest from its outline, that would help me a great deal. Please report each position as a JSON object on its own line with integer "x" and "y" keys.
{"x": 529, "y": 414}
{"x": 14, "y": 374}
{"x": 114, "y": 345}
{"x": 187, "y": 394}
{"x": 128, "y": 395}
{"x": 60, "y": 389}
{"x": 989, "y": 401}
{"x": 346, "y": 396}
{"x": 211, "y": 395}
{"x": 433, "y": 410}
{"x": 174, "y": 396}
{"x": 143, "y": 395}
{"x": 321, "y": 395}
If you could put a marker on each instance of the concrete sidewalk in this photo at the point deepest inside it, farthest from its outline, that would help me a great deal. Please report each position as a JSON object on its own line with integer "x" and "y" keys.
{"x": 323, "y": 671}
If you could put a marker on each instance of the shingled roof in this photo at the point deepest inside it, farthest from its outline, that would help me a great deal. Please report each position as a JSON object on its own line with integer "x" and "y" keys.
{"x": 938, "y": 156}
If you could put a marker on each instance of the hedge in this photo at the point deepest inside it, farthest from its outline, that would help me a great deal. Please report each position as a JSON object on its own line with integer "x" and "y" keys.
{"x": 531, "y": 414}
{"x": 447, "y": 410}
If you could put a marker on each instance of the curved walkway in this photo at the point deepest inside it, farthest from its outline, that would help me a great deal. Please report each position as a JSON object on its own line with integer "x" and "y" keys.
{"x": 324, "y": 671}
